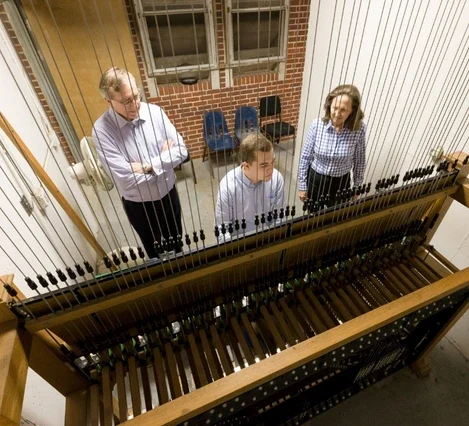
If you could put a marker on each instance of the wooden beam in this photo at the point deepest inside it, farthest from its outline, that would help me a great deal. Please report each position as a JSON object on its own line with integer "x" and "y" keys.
{"x": 437, "y": 255}
{"x": 176, "y": 280}
{"x": 76, "y": 408}
{"x": 5, "y": 312}
{"x": 47, "y": 360}
{"x": 44, "y": 355}
{"x": 227, "y": 388}
{"x": 13, "y": 372}
{"x": 462, "y": 193}
{"x": 50, "y": 185}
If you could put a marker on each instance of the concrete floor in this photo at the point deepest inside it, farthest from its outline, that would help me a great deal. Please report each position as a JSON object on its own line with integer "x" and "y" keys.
{"x": 440, "y": 399}
{"x": 198, "y": 201}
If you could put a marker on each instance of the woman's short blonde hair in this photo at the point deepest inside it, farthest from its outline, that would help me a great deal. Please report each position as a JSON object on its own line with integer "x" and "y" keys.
{"x": 354, "y": 120}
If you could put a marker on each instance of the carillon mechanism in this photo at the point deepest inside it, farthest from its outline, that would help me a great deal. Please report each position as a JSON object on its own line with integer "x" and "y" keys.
{"x": 225, "y": 225}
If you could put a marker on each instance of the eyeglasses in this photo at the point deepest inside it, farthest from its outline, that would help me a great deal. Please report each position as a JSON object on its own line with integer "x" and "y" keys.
{"x": 129, "y": 101}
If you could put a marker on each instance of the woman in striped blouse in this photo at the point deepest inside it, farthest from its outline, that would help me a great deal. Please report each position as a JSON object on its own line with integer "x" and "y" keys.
{"x": 334, "y": 146}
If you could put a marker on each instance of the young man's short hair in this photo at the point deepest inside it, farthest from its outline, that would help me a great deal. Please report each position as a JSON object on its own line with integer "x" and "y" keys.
{"x": 253, "y": 143}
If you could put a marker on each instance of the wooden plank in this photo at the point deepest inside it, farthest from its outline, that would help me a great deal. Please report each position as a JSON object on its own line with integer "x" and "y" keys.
{"x": 224, "y": 390}
{"x": 183, "y": 374}
{"x": 348, "y": 302}
{"x": 171, "y": 369}
{"x": 286, "y": 331}
{"x": 420, "y": 272}
{"x": 301, "y": 319}
{"x": 242, "y": 340}
{"x": 438, "y": 256}
{"x": 221, "y": 349}
{"x": 233, "y": 342}
{"x": 13, "y": 371}
{"x": 134, "y": 386}
{"x": 325, "y": 316}
{"x": 356, "y": 298}
{"x": 176, "y": 280}
{"x": 407, "y": 274}
{"x": 430, "y": 268}
{"x": 215, "y": 369}
{"x": 406, "y": 278}
{"x": 76, "y": 408}
{"x": 199, "y": 368}
{"x": 339, "y": 306}
{"x": 440, "y": 268}
{"x": 395, "y": 281}
{"x": 382, "y": 288}
{"x": 5, "y": 312}
{"x": 45, "y": 357}
{"x": 158, "y": 372}
{"x": 146, "y": 385}
{"x": 295, "y": 325}
{"x": 462, "y": 194}
{"x": 106, "y": 388}
{"x": 432, "y": 276}
{"x": 50, "y": 185}
{"x": 279, "y": 342}
{"x": 121, "y": 392}
{"x": 364, "y": 294}
{"x": 48, "y": 361}
{"x": 94, "y": 405}
{"x": 317, "y": 324}
{"x": 204, "y": 360}
{"x": 372, "y": 290}
{"x": 264, "y": 335}
{"x": 252, "y": 336}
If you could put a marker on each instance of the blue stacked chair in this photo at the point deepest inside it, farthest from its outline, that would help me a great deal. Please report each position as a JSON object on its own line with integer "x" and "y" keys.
{"x": 245, "y": 122}
{"x": 216, "y": 135}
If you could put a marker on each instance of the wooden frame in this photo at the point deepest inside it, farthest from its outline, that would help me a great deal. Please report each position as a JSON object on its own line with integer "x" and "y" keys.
{"x": 40, "y": 352}
{"x": 213, "y": 394}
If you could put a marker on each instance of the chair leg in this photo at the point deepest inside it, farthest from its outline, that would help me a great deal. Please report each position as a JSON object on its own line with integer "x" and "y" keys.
{"x": 193, "y": 172}
{"x": 205, "y": 153}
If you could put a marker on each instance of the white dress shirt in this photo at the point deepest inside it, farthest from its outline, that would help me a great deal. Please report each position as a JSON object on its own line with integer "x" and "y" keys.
{"x": 120, "y": 142}
{"x": 239, "y": 198}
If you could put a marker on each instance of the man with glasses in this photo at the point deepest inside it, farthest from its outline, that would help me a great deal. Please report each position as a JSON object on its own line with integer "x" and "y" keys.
{"x": 255, "y": 188}
{"x": 140, "y": 147}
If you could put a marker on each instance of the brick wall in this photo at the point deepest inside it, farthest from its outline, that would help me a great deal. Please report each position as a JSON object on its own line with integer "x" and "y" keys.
{"x": 27, "y": 67}
{"x": 185, "y": 105}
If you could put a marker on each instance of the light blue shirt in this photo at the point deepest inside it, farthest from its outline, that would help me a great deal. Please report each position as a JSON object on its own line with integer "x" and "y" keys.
{"x": 239, "y": 198}
{"x": 332, "y": 153}
{"x": 120, "y": 142}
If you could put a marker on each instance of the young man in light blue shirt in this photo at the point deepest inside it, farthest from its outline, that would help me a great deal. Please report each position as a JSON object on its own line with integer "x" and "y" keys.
{"x": 253, "y": 188}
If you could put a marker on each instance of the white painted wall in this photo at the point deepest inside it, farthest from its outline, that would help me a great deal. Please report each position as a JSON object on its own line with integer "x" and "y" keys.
{"x": 43, "y": 242}
{"x": 402, "y": 115}
{"x": 399, "y": 75}
{"x": 43, "y": 405}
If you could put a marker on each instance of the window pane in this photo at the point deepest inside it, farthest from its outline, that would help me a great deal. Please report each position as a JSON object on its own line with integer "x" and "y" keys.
{"x": 267, "y": 4}
{"x": 152, "y": 6}
{"x": 178, "y": 40}
{"x": 258, "y": 35}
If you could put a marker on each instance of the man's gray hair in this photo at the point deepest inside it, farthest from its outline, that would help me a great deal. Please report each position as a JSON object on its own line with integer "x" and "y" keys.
{"x": 112, "y": 80}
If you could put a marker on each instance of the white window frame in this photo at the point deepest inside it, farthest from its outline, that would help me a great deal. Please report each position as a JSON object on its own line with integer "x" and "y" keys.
{"x": 212, "y": 66}
{"x": 230, "y": 8}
